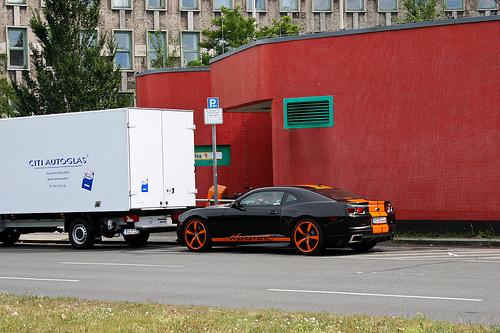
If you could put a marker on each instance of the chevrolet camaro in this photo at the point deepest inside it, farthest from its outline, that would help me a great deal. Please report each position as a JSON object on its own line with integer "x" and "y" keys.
{"x": 309, "y": 218}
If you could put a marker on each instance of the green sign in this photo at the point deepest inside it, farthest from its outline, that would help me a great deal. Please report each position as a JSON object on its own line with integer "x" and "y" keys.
{"x": 203, "y": 155}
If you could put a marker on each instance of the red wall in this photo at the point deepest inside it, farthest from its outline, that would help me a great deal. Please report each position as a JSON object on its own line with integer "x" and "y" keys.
{"x": 416, "y": 114}
{"x": 248, "y": 135}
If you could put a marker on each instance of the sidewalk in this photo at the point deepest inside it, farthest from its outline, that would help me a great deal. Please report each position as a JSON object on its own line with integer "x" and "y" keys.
{"x": 448, "y": 241}
{"x": 57, "y": 237}
{"x": 170, "y": 238}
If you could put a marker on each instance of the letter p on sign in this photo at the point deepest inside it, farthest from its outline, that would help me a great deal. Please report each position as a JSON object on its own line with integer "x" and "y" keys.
{"x": 213, "y": 102}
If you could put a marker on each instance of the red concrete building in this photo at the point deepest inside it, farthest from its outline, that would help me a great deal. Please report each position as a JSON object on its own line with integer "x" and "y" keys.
{"x": 407, "y": 113}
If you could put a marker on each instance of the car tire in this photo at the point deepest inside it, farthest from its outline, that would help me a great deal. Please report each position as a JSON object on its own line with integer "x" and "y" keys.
{"x": 9, "y": 237}
{"x": 308, "y": 237}
{"x": 80, "y": 234}
{"x": 196, "y": 235}
{"x": 137, "y": 240}
{"x": 362, "y": 247}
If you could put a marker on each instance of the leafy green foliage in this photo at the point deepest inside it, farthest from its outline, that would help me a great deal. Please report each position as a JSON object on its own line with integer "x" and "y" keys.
{"x": 232, "y": 30}
{"x": 280, "y": 28}
{"x": 71, "y": 72}
{"x": 420, "y": 10}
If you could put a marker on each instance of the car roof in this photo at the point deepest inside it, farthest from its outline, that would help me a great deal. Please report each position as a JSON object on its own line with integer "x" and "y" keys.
{"x": 304, "y": 191}
{"x": 315, "y": 192}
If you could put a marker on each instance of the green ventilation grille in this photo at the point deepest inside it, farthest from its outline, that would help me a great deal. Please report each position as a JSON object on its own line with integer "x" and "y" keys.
{"x": 308, "y": 112}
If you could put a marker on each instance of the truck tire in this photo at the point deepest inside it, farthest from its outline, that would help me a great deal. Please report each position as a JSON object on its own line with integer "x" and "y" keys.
{"x": 80, "y": 234}
{"x": 137, "y": 240}
{"x": 9, "y": 237}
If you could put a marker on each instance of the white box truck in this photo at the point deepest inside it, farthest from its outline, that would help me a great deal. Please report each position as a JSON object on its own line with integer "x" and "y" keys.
{"x": 96, "y": 174}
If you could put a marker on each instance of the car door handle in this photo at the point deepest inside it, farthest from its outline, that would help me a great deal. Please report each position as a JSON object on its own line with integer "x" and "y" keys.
{"x": 273, "y": 212}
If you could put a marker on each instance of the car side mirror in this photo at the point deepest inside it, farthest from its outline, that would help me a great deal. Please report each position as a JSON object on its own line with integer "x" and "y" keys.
{"x": 236, "y": 204}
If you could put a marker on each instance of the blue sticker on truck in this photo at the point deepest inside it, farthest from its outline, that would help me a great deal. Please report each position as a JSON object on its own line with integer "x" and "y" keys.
{"x": 88, "y": 179}
{"x": 144, "y": 186}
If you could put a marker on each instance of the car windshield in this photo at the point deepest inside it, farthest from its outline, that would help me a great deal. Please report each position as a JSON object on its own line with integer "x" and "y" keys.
{"x": 336, "y": 193}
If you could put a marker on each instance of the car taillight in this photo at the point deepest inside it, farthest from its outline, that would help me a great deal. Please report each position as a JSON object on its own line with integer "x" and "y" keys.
{"x": 355, "y": 210}
{"x": 131, "y": 218}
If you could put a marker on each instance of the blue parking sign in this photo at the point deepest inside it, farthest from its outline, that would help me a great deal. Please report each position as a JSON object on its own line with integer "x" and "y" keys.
{"x": 213, "y": 102}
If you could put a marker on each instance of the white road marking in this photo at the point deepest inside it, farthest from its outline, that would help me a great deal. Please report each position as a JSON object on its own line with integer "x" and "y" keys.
{"x": 36, "y": 279}
{"x": 377, "y": 295}
{"x": 427, "y": 253}
{"x": 114, "y": 264}
{"x": 417, "y": 255}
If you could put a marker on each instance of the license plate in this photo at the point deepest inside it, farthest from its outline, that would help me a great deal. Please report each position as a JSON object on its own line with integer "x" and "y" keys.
{"x": 379, "y": 220}
{"x": 130, "y": 231}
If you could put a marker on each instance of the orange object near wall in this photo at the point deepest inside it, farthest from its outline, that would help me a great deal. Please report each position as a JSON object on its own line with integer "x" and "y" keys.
{"x": 221, "y": 190}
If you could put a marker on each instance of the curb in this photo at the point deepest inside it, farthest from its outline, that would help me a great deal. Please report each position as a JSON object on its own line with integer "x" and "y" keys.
{"x": 480, "y": 242}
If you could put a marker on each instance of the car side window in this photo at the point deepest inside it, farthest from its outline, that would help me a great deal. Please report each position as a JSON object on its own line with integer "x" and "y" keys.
{"x": 291, "y": 198}
{"x": 269, "y": 198}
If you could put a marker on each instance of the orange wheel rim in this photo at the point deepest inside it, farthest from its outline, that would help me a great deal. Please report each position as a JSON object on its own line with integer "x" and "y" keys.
{"x": 306, "y": 236}
{"x": 195, "y": 235}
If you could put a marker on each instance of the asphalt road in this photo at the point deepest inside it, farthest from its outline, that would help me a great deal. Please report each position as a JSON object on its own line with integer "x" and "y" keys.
{"x": 457, "y": 284}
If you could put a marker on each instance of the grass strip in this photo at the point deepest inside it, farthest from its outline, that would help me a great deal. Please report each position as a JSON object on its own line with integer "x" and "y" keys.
{"x": 43, "y": 314}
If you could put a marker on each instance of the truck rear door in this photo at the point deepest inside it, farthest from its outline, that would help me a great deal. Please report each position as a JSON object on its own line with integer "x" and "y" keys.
{"x": 178, "y": 159}
{"x": 145, "y": 154}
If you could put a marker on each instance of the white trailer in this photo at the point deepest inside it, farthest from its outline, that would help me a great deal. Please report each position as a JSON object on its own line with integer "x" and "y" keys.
{"x": 96, "y": 174}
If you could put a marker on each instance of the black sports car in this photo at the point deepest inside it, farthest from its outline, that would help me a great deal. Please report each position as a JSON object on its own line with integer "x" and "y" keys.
{"x": 310, "y": 218}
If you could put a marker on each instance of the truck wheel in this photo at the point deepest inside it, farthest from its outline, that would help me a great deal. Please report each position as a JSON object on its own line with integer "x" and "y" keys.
{"x": 137, "y": 240}
{"x": 9, "y": 237}
{"x": 80, "y": 234}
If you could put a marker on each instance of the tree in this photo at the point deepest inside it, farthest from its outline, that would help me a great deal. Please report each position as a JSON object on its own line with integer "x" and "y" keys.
{"x": 71, "y": 72}
{"x": 420, "y": 10}
{"x": 280, "y": 28}
{"x": 7, "y": 94}
{"x": 232, "y": 30}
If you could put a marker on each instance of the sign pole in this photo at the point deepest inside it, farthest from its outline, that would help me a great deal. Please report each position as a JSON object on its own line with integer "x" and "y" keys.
{"x": 214, "y": 149}
{"x": 213, "y": 116}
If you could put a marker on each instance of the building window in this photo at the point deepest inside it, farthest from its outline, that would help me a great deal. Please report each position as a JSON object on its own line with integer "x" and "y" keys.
{"x": 121, "y": 4}
{"x": 308, "y": 112}
{"x": 218, "y": 4}
{"x": 156, "y": 4}
{"x": 289, "y": 5}
{"x": 454, "y": 5}
{"x": 189, "y": 4}
{"x": 260, "y": 5}
{"x": 487, "y": 4}
{"x": 88, "y": 37}
{"x": 123, "y": 55}
{"x": 190, "y": 49}
{"x": 322, "y": 5}
{"x": 16, "y": 2}
{"x": 355, "y": 5}
{"x": 18, "y": 51}
{"x": 387, "y": 5}
{"x": 157, "y": 49}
